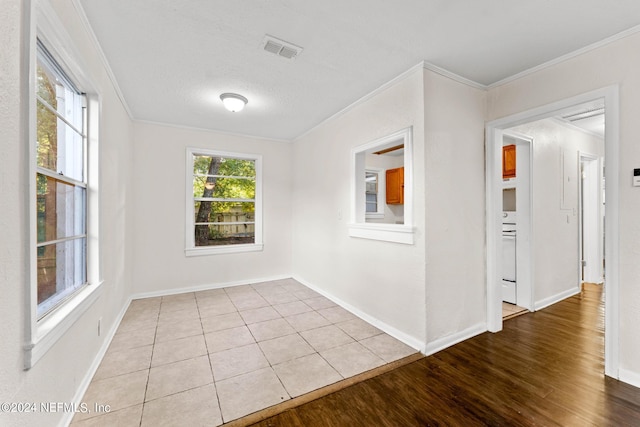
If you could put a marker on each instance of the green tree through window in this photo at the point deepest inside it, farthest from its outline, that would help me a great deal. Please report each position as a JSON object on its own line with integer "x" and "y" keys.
{"x": 224, "y": 190}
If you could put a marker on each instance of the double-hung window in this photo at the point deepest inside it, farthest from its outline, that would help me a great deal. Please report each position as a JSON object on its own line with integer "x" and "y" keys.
{"x": 61, "y": 184}
{"x": 224, "y": 202}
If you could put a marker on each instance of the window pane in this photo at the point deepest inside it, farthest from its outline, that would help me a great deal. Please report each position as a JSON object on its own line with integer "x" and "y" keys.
{"x": 60, "y": 147}
{"x": 224, "y": 212}
{"x": 238, "y": 167}
{"x": 224, "y": 188}
{"x": 218, "y": 234}
{"x": 56, "y": 91}
{"x": 61, "y": 270}
{"x": 202, "y": 165}
{"x": 46, "y": 84}
{"x": 372, "y": 203}
{"x": 61, "y": 209}
{"x": 238, "y": 216}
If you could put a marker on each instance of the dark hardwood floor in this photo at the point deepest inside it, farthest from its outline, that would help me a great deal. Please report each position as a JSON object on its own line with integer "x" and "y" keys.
{"x": 544, "y": 369}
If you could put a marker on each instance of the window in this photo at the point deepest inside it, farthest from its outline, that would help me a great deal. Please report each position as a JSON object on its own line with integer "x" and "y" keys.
{"x": 63, "y": 189}
{"x": 374, "y": 194}
{"x": 224, "y": 209}
{"x": 61, "y": 184}
{"x": 374, "y": 214}
{"x": 371, "y": 191}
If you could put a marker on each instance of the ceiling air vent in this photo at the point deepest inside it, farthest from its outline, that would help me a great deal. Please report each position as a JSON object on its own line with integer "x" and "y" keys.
{"x": 281, "y": 47}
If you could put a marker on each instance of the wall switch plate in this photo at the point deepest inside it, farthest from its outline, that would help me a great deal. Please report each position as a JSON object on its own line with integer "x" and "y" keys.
{"x": 636, "y": 177}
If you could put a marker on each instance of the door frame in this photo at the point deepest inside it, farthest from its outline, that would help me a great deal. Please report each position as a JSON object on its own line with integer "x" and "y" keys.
{"x": 493, "y": 162}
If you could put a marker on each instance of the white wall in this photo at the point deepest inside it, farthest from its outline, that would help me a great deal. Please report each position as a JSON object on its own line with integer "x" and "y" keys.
{"x": 159, "y": 262}
{"x": 615, "y": 63}
{"x": 454, "y": 208}
{"x": 59, "y": 374}
{"x": 381, "y": 279}
{"x": 429, "y": 291}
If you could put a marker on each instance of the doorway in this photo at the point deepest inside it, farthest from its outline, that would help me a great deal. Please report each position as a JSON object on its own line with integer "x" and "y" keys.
{"x": 494, "y": 135}
{"x": 517, "y": 200}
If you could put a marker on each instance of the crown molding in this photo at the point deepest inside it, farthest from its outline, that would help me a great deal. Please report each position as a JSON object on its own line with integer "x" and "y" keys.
{"x": 103, "y": 57}
{"x": 453, "y": 76}
{"x": 619, "y": 36}
{"x": 363, "y": 99}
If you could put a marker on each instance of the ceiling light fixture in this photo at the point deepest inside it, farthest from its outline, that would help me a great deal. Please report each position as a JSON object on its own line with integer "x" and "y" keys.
{"x": 233, "y": 102}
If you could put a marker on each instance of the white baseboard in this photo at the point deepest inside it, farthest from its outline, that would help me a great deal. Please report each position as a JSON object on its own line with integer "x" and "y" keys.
{"x": 539, "y": 305}
{"x": 84, "y": 384}
{"x": 629, "y": 377}
{"x": 206, "y": 287}
{"x": 397, "y": 334}
{"x": 449, "y": 340}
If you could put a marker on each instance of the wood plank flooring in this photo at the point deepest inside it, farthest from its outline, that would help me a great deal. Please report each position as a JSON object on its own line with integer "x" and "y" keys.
{"x": 544, "y": 369}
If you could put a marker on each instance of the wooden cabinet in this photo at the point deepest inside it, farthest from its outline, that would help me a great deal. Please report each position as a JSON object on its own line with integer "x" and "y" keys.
{"x": 509, "y": 161}
{"x": 395, "y": 186}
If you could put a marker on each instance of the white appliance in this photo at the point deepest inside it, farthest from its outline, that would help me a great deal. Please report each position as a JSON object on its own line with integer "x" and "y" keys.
{"x": 509, "y": 257}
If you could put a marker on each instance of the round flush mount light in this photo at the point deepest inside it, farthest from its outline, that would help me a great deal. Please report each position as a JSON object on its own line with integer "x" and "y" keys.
{"x": 233, "y": 102}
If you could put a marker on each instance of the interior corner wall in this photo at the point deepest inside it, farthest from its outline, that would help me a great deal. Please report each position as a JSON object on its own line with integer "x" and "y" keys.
{"x": 555, "y": 215}
{"x": 454, "y": 216}
{"x": 384, "y": 280}
{"x": 613, "y": 64}
{"x": 160, "y": 265}
{"x": 62, "y": 371}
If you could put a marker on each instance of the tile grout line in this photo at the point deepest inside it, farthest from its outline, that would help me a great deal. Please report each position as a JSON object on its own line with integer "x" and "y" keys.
{"x": 213, "y": 378}
{"x": 168, "y": 305}
{"x": 153, "y": 349}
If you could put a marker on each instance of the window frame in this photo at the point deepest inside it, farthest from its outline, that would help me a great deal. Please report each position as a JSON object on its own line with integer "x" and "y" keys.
{"x": 43, "y": 332}
{"x": 190, "y": 248}
{"x": 56, "y": 176}
{"x": 358, "y": 227}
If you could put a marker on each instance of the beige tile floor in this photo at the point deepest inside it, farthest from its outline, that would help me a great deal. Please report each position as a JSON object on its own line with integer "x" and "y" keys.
{"x": 209, "y": 357}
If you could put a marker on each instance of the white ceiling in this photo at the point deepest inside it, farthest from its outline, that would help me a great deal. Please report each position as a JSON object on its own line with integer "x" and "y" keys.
{"x": 173, "y": 58}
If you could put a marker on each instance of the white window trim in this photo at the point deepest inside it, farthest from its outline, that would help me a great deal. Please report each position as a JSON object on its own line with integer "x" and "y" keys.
{"x": 398, "y": 233}
{"x": 41, "y": 335}
{"x": 190, "y": 248}
{"x": 382, "y": 190}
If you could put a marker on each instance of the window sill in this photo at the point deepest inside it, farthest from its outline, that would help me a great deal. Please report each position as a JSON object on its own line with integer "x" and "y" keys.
{"x": 396, "y": 233}
{"x": 374, "y": 215}
{"x": 231, "y": 249}
{"x": 54, "y": 325}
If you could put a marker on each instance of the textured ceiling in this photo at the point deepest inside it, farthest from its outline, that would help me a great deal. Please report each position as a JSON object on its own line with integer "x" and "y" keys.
{"x": 173, "y": 58}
